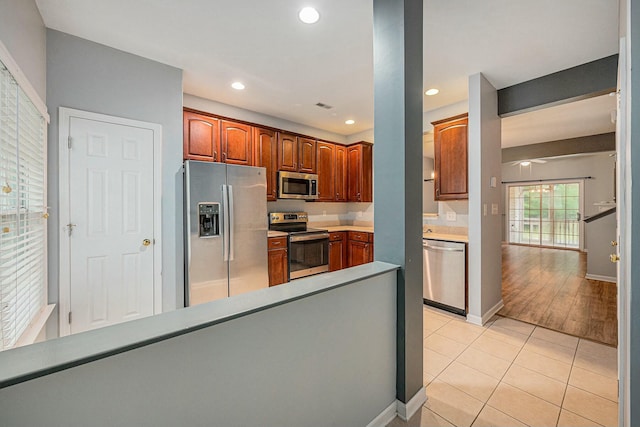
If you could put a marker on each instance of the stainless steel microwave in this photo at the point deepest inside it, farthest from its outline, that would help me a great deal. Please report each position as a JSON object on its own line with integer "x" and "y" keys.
{"x": 293, "y": 185}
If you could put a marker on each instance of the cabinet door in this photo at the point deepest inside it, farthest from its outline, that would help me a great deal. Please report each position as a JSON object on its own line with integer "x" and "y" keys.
{"x": 307, "y": 155}
{"x": 359, "y": 253}
{"x": 450, "y": 159}
{"x": 265, "y": 155}
{"x": 287, "y": 152}
{"x": 326, "y": 166}
{"x": 236, "y": 143}
{"x": 340, "y": 172}
{"x": 201, "y": 137}
{"x": 337, "y": 250}
{"x": 278, "y": 266}
{"x": 354, "y": 154}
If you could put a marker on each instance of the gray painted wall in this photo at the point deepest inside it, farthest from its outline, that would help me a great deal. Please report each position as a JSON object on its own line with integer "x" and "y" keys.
{"x": 23, "y": 33}
{"x": 325, "y": 360}
{"x": 485, "y": 256}
{"x": 397, "y": 58}
{"x": 634, "y": 222}
{"x": 601, "y": 231}
{"x": 92, "y": 77}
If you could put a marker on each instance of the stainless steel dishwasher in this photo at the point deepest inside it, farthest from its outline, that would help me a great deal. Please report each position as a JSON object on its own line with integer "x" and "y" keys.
{"x": 445, "y": 275}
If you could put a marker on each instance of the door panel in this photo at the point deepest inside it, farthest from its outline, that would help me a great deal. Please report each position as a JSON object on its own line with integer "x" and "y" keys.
{"x": 236, "y": 143}
{"x": 206, "y": 269}
{"x": 266, "y": 153}
{"x": 287, "y": 152}
{"x": 326, "y": 167}
{"x": 341, "y": 174}
{"x": 306, "y": 155}
{"x": 111, "y": 198}
{"x": 201, "y": 137}
{"x": 248, "y": 266}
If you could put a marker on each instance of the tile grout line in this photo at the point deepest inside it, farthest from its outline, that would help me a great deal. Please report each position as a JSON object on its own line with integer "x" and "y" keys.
{"x": 501, "y": 378}
{"x": 566, "y": 387}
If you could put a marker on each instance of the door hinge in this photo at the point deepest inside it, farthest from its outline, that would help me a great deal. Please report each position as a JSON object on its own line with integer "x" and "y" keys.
{"x": 69, "y": 143}
{"x": 69, "y": 317}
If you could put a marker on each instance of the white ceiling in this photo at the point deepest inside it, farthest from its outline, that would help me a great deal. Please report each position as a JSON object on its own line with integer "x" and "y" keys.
{"x": 288, "y": 66}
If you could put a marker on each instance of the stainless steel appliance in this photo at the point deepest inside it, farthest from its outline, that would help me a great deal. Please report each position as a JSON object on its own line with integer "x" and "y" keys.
{"x": 225, "y": 230}
{"x": 445, "y": 277}
{"x": 293, "y": 185}
{"x": 308, "y": 247}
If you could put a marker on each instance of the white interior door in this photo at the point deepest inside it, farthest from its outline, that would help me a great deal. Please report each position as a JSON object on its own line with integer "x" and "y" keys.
{"x": 111, "y": 223}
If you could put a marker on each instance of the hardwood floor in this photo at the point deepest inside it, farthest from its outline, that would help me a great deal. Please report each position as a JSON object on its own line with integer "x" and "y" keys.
{"x": 547, "y": 287}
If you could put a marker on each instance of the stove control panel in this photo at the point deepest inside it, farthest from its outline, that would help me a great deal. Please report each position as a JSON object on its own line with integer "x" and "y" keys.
{"x": 288, "y": 217}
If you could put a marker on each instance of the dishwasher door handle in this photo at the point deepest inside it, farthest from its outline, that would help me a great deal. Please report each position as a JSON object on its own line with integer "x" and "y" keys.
{"x": 439, "y": 249}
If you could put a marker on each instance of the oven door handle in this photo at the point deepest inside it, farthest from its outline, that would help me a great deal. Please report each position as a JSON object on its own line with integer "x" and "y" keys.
{"x": 307, "y": 237}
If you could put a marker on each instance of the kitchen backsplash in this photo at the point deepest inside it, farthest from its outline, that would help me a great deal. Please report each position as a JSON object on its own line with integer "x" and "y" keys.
{"x": 325, "y": 213}
{"x": 460, "y": 209}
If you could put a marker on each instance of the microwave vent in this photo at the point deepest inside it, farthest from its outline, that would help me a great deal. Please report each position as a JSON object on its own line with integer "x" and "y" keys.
{"x": 323, "y": 105}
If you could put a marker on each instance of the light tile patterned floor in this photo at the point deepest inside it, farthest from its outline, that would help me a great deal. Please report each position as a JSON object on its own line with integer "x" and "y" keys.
{"x": 509, "y": 373}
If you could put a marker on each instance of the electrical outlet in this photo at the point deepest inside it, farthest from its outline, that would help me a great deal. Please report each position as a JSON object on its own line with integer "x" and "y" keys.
{"x": 451, "y": 216}
{"x": 360, "y": 214}
{"x": 494, "y": 209}
{"x": 324, "y": 213}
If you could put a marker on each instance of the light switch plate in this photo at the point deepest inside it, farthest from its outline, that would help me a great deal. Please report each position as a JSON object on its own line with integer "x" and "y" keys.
{"x": 494, "y": 209}
{"x": 451, "y": 216}
{"x": 484, "y": 209}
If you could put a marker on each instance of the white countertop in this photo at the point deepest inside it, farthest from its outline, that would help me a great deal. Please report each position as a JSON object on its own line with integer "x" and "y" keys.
{"x": 448, "y": 237}
{"x": 273, "y": 233}
{"x": 360, "y": 228}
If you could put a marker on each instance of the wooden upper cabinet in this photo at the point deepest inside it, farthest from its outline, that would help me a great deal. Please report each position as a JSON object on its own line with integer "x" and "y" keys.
{"x": 296, "y": 153}
{"x": 236, "y": 144}
{"x": 360, "y": 171}
{"x": 326, "y": 158}
{"x": 306, "y": 155}
{"x": 450, "y": 158}
{"x": 201, "y": 137}
{"x": 287, "y": 152}
{"x": 265, "y": 155}
{"x": 340, "y": 173}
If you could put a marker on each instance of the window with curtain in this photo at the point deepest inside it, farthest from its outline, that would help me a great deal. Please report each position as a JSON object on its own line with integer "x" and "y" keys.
{"x": 23, "y": 227}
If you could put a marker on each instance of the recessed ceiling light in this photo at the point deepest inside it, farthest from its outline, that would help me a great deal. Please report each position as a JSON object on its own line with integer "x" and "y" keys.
{"x": 432, "y": 92}
{"x": 349, "y": 122}
{"x": 525, "y": 163}
{"x": 237, "y": 85}
{"x": 309, "y": 15}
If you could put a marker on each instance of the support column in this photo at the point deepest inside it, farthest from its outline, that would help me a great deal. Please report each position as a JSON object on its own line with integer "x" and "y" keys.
{"x": 398, "y": 86}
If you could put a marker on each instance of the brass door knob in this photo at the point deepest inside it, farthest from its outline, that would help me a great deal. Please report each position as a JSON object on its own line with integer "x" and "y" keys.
{"x": 146, "y": 242}
{"x": 614, "y": 243}
{"x": 614, "y": 258}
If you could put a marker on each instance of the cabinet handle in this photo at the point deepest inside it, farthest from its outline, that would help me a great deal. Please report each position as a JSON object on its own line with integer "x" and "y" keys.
{"x": 294, "y": 165}
{"x": 275, "y": 243}
{"x": 215, "y": 156}
{"x": 224, "y": 157}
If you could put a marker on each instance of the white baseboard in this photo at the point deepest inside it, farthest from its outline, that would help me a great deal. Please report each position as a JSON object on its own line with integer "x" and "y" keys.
{"x": 601, "y": 278}
{"x": 406, "y": 410}
{"x": 477, "y": 320}
{"x": 385, "y": 416}
{"x": 402, "y": 410}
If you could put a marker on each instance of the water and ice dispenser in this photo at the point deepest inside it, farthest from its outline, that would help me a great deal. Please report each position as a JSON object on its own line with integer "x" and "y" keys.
{"x": 209, "y": 218}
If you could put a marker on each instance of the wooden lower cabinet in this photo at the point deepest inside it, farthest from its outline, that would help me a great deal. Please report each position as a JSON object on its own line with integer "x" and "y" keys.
{"x": 278, "y": 261}
{"x": 360, "y": 248}
{"x": 338, "y": 250}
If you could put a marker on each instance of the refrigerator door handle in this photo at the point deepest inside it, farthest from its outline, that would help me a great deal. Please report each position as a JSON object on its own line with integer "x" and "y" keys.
{"x": 231, "y": 216}
{"x": 225, "y": 226}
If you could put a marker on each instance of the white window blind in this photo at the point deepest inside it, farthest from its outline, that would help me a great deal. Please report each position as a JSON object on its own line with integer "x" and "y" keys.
{"x": 22, "y": 211}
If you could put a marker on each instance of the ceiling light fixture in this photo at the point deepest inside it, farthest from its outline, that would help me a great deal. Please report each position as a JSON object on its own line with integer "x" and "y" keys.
{"x": 525, "y": 163}
{"x": 237, "y": 85}
{"x": 431, "y": 92}
{"x": 349, "y": 122}
{"x": 309, "y": 15}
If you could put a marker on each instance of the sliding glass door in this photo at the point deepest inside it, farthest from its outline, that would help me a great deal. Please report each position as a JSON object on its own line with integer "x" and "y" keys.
{"x": 546, "y": 214}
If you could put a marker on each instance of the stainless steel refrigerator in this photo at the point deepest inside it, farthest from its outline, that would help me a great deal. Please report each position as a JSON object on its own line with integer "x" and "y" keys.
{"x": 226, "y": 230}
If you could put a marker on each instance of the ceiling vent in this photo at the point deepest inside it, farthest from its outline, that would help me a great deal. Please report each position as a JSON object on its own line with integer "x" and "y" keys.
{"x": 323, "y": 105}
